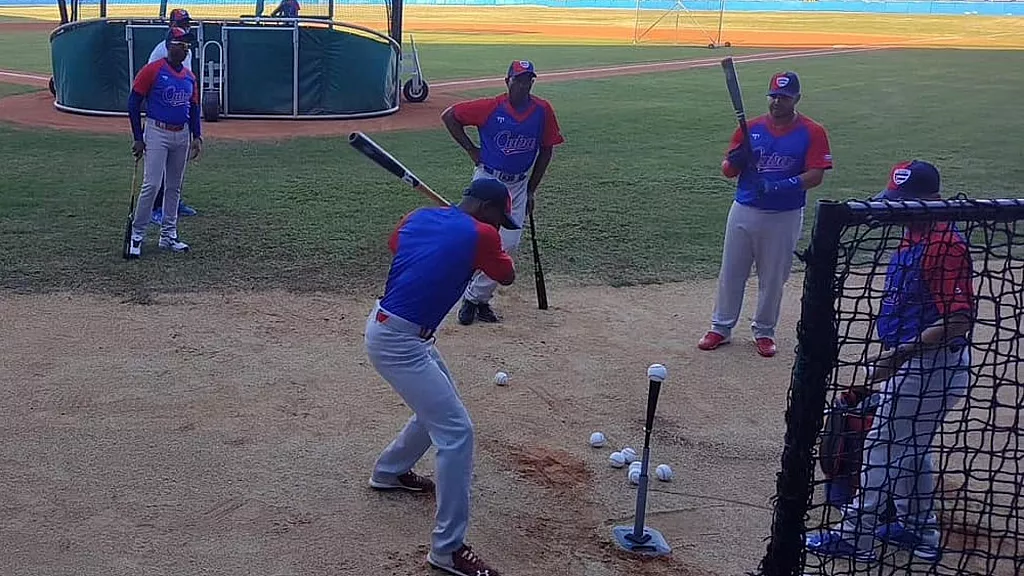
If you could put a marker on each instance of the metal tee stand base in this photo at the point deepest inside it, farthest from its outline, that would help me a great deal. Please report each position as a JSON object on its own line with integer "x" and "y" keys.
{"x": 650, "y": 542}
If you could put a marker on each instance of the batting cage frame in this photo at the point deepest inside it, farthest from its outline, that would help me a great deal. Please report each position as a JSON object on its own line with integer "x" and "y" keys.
{"x": 702, "y": 18}
{"x": 995, "y": 229}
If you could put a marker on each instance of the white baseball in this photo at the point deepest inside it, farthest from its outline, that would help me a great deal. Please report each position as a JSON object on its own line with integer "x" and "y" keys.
{"x": 617, "y": 460}
{"x": 636, "y": 464}
{"x": 663, "y": 472}
{"x": 657, "y": 373}
{"x": 630, "y": 454}
{"x": 597, "y": 439}
{"x": 634, "y": 476}
{"x": 501, "y": 379}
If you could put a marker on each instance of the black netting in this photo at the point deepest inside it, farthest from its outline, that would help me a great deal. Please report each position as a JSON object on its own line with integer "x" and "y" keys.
{"x": 920, "y": 471}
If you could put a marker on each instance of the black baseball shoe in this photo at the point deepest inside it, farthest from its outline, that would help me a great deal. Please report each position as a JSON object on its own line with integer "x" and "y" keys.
{"x": 467, "y": 313}
{"x": 484, "y": 313}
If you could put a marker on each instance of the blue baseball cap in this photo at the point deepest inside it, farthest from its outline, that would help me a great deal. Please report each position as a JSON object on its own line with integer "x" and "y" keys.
{"x": 784, "y": 84}
{"x": 912, "y": 180}
{"x": 519, "y": 67}
{"x": 492, "y": 190}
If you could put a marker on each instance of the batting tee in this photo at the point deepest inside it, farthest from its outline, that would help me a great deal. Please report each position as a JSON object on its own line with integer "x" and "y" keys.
{"x": 977, "y": 455}
{"x": 338, "y": 59}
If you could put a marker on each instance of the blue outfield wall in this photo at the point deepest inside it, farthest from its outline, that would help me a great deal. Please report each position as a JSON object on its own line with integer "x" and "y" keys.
{"x": 988, "y": 8}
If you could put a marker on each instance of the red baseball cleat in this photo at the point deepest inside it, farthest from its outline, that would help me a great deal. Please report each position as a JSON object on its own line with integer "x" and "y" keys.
{"x": 766, "y": 347}
{"x": 712, "y": 340}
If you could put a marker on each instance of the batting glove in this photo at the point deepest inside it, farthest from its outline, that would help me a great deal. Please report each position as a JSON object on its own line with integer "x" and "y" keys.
{"x": 742, "y": 158}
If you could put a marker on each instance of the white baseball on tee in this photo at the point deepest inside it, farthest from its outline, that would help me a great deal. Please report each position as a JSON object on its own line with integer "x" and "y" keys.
{"x": 160, "y": 51}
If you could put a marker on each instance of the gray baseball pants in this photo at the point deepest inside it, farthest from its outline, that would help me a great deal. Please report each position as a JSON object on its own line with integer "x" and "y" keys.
{"x": 416, "y": 371}
{"x": 897, "y": 462}
{"x": 164, "y": 162}
{"x": 768, "y": 239}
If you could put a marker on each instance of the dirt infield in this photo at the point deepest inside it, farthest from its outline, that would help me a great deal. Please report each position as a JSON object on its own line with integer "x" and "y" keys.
{"x": 234, "y": 433}
{"x": 36, "y": 109}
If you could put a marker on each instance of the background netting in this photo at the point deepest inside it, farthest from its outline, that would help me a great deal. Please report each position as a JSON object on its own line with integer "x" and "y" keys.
{"x": 977, "y": 452}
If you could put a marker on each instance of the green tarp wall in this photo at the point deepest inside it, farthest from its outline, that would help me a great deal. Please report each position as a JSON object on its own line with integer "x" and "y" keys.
{"x": 338, "y": 72}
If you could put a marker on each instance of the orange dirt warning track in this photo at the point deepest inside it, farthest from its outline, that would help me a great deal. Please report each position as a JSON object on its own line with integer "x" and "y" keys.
{"x": 36, "y": 109}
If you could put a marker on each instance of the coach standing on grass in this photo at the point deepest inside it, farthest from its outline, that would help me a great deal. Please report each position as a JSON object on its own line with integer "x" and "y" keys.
{"x": 925, "y": 318}
{"x": 171, "y": 136}
{"x": 788, "y": 155}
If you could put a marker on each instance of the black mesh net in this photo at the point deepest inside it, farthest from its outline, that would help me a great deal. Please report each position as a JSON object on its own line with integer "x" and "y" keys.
{"x": 907, "y": 457}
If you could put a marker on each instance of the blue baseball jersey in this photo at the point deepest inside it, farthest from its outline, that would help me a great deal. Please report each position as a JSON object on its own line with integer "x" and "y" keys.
{"x": 785, "y": 152}
{"x": 929, "y": 277}
{"x": 510, "y": 139}
{"x": 170, "y": 94}
{"x": 436, "y": 251}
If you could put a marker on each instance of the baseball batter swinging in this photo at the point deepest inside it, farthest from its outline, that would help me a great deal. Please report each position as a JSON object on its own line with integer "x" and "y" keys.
{"x": 788, "y": 155}
{"x": 926, "y": 314}
{"x": 518, "y": 132}
{"x": 436, "y": 251}
{"x": 171, "y": 136}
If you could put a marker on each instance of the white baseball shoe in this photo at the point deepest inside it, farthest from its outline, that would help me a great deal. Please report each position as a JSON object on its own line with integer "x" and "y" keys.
{"x": 135, "y": 246}
{"x": 173, "y": 244}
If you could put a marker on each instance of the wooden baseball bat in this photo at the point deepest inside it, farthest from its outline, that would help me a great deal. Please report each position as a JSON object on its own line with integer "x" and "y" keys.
{"x": 538, "y": 272}
{"x": 382, "y": 158}
{"x": 733, "y": 84}
{"x": 131, "y": 212}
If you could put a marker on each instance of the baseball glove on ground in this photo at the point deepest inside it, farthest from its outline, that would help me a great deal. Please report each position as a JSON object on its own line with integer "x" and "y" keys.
{"x": 841, "y": 451}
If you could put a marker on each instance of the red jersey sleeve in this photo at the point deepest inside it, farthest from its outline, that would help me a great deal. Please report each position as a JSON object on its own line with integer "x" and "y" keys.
{"x": 393, "y": 239}
{"x": 947, "y": 270}
{"x": 552, "y": 132}
{"x": 474, "y": 112}
{"x": 727, "y": 169}
{"x": 490, "y": 258}
{"x": 146, "y": 77}
{"x": 819, "y": 153}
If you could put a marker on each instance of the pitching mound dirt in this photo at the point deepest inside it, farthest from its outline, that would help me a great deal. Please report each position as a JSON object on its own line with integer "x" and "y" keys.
{"x": 234, "y": 433}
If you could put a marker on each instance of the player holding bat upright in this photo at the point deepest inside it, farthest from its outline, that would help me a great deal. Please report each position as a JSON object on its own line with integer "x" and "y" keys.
{"x": 436, "y": 251}
{"x": 788, "y": 155}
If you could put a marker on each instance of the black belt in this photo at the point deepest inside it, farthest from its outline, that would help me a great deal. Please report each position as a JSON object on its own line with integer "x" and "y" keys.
{"x": 169, "y": 127}
{"x": 504, "y": 176}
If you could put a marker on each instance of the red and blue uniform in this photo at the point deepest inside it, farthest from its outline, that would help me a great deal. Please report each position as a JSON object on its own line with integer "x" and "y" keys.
{"x": 171, "y": 96}
{"x": 436, "y": 251}
{"x": 785, "y": 153}
{"x": 929, "y": 277}
{"x": 510, "y": 139}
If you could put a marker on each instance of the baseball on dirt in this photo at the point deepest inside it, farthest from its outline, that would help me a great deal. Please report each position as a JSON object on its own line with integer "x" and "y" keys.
{"x": 597, "y": 439}
{"x": 501, "y": 379}
{"x": 617, "y": 460}
{"x": 629, "y": 454}
{"x": 663, "y": 472}
{"x": 634, "y": 476}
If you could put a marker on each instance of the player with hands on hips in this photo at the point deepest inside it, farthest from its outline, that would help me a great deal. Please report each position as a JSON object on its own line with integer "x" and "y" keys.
{"x": 517, "y": 132}
{"x": 926, "y": 314}
{"x": 436, "y": 250}
{"x": 788, "y": 155}
{"x": 179, "y": 18}
{"x": 171, "y": 137}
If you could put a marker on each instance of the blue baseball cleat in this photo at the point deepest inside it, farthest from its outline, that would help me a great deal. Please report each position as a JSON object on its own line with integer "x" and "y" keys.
{"x": 832, "y": 544}
{"x": 186, "y": 210}
{"x": 899, "y": 536}
{"x": 157, "y": 217}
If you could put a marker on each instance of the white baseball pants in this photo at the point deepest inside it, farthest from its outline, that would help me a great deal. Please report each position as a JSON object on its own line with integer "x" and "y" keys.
{"x": 897, "y": 462}
{"x": 415, "y": 370}
{"x": 481, "y": 288}
{"x": 768, "y": 239}
{"x": 164, "y": 162}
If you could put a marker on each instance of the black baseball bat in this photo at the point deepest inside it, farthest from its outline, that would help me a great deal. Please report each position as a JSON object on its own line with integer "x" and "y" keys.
{"x": 733, "y": 84}
{"x": 382, "y": 158}
{"x": 538, "y": 271}
{"x": 656, "y": 374}
{"x": 131, "y": 211}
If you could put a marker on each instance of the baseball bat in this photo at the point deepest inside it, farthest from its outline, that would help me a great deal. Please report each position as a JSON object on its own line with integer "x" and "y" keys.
{"x": 131, "y": 211}
{"x": 382, "y": 158}
{"x": 733, "y": 84}
{"x": 538, "y": 272}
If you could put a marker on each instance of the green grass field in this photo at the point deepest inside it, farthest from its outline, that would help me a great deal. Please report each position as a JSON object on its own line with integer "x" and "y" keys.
{"x": 635, "y": 195}
{"x": 12, "y": 89}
